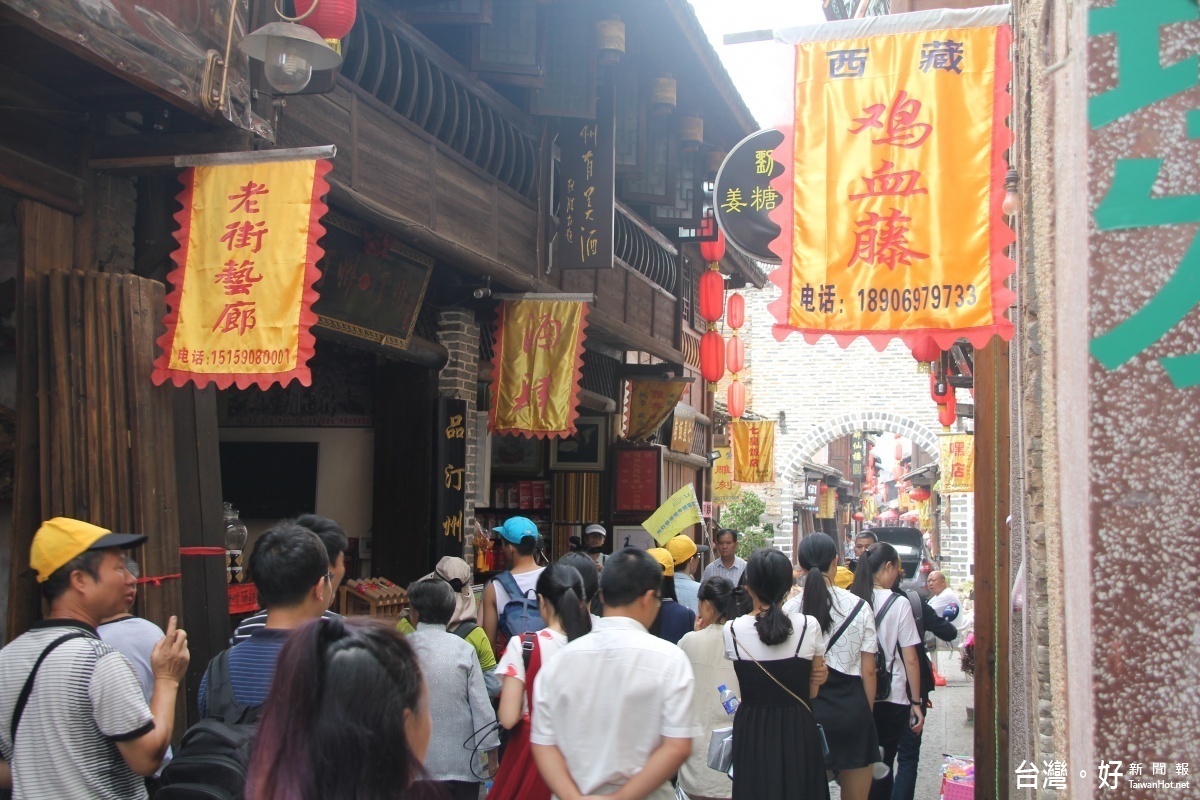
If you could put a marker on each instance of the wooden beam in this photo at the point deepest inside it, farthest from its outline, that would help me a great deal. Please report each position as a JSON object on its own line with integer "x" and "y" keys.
{"x": 992, "y": 573}
{"x": 24, "y": 176}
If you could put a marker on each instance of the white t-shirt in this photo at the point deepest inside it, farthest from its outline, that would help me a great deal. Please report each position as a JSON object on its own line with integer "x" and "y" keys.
{"x": 526, "y": 582}
{"x": 859, "y": 637}
{"x": 897, "y": 630}
{"x": 512, "y": 663}
{"x": 636, "y": 690}
{"x": 748, "y": 643}
{"x": 948, "y": 599}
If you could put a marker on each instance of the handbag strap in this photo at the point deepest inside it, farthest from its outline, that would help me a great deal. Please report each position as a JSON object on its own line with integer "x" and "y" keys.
{"x": 27, "y": 689}
{"x": 845, "y": 624}
{"x": 767, "y": 672}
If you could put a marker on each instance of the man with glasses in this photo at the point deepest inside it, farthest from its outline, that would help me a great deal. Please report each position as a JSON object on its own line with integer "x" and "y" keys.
{"x": 632, "y": 728}
{"x": 290, "y": 569}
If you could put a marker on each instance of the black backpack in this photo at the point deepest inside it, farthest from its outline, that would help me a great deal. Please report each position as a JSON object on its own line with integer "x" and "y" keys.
{"x": 214, "y": 754}
{"x": 883, "y": 670}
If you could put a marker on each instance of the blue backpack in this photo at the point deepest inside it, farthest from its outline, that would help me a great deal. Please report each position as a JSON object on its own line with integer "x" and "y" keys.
{"x": 520, "y": 614}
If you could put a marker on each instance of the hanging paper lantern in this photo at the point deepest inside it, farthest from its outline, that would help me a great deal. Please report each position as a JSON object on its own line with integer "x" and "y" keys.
{"x": 948, "y": 412}
{"x": 712, "y": 356}
{"x": 824, "y": 488}
{"x": 858, "y": 516}
{"x": 712, "y": 295}
{"x": 715, "y": 250}
{"x": 919, "y": 494}
{"x": 735, "y": 354}
{"x": 332, "y": 19}
{"x": 736, "y": 398}
{"x": 735, "y": 311}
{"x": 899, "y": 451}
{"x": 925, "y": 351}
{"x": 941, "y": 392}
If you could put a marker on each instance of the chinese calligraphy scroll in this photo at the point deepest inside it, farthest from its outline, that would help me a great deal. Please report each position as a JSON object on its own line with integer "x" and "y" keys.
{"x": 450, "y": 497}
{"x": 537, "y": 367}
{"x": 587, "y": 178}
{"x": 724, "y": 490}
{"x": 240, "y": 310}
{"x": 753, "y": 451}
{"x": 958, "y": 463}
{"x": 898, "y": 151}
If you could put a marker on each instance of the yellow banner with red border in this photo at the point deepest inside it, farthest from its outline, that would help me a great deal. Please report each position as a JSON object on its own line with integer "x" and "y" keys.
{"x": 958, "y": 463}
{"x": 240, "y": 309}
{"x": 896, "y": 172}
{"x": 537, "y": 367}
{"x": 753, "y": 451}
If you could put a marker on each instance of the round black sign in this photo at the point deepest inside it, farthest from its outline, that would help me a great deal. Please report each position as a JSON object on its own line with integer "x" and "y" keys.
{"x": 744, "y": 197}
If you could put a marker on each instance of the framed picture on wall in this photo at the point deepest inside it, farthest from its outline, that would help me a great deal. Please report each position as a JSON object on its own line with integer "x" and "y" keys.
{"x": 583, "y": 451}
{"x": 517, "y": 455}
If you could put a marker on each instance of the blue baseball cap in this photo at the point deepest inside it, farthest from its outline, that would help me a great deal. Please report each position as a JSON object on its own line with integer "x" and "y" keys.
{"x": 515, "y": 529}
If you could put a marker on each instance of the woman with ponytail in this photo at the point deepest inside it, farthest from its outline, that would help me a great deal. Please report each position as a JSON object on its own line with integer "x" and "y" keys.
{"x": 705, "y": 648}
{"x": 561, "y": 598}
{"x": 843, "y": 706}
{"x": 897, "y": 703}
{"x": 777, "y": 751}
{"x": 347, "y": 717}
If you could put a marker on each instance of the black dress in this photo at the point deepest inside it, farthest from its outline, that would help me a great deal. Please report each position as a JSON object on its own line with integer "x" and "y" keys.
{"x": 776, "y": 747}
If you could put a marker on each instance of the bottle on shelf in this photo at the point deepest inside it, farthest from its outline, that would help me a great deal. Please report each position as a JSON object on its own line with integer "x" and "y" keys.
{"x": 235, "y": 543}
{"x": 728, "y": 699}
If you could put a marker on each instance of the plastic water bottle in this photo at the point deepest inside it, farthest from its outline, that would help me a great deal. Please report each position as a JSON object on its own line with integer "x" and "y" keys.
{"x": 728, "y": 699}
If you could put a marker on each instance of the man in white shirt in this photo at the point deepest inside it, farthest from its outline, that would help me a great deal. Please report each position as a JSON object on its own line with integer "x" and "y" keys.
{"x": 728, "y": 566}
{"x": 944, "y": 601}
{"x": 632, "y": 730}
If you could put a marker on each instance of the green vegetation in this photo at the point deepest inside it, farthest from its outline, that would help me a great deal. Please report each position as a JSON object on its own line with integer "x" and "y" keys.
{"x": 744, "y": 516}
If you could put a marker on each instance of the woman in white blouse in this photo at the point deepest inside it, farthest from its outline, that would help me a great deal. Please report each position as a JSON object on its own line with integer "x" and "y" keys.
{"x": 705, "y": 648}
{"x": 843, "y": 704}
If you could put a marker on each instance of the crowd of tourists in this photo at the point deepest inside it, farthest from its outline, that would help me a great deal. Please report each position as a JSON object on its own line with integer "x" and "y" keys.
{"x": 616, "y": 675}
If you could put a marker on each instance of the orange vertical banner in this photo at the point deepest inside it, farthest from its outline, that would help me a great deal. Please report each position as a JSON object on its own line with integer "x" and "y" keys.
{"x": 958, "y": 463}
{"x": 896, "y": 174}
{"x": 241, "y": 304}
{"x": 537, "y": 367}
{"x": 753, "y": 451}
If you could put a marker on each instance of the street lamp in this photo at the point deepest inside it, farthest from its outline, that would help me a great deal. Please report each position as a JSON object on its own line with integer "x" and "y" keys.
{"x": 289, "y": 53}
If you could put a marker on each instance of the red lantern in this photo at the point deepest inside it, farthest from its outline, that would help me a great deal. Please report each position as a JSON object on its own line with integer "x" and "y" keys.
{"x": 712, "y": 295}
{"x": 899, "y": 451}
{"x": 949, "y": 412}
{"x": 736, "y": 399}
{"x": 714, "y": 250}
{"x": 926, "y": 350}
{"x": 824, "y": 488}
{"x": 919, "y": 494}
{"x": 735, "y": 311}
{"x": 947, "y": 390}
{"x": 735, "y": 354}
{"x": 712, "y": 356}
{"x": 332, "y": 19}
{"x": 858, "y": 516}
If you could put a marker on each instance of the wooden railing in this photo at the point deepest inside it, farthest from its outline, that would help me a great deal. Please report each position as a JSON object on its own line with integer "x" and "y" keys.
{"x": 393, "y": 63}
{"x": 643, "y": 249}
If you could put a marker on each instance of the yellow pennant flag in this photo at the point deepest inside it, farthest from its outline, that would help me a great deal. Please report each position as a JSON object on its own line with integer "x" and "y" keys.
{"x": 681, "y": 510}
{"x": 240, "y": 308}
{"x": 958, "y": 463}
{"x": 724, "y": 490}
{"x": 753, "y": 451}
{"x": 537, "y": 367}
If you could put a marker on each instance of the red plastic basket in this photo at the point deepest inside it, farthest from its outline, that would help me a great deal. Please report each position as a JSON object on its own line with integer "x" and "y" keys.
{"x": 957, "y": 791}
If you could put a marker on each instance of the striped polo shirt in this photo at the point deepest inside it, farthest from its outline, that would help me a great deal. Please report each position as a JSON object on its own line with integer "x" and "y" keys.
{"x": 86, "y": 698}
{"x": 251, "y": 668}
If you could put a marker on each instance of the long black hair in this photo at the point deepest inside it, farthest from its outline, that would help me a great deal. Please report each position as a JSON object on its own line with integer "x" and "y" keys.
{"x": 742, "y": 598}
{"x": 336, "y": 709}
{"x": 769, "y": 576}
{"x": 562, "y": 587}
{"x": 815, "y": 553}
{"x": 721, "y": 593}
{"x": 873, "y": 559}
{"x": 586, "y": 567}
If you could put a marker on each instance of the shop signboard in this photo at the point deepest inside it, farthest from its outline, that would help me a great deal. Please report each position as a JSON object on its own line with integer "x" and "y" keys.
{"x": 858, "y": 454}
{"x": 638, "y": 478}
{"x": 450, "y": 477}
{"x": 586, "y": 177}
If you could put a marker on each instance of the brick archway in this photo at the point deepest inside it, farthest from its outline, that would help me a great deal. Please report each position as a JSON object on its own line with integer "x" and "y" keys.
{"x": 838, "y": 427}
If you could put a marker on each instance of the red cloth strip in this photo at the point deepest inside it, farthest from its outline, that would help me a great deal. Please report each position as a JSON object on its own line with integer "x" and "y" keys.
{"x": 157, "y": 579}
{"x": 202, "y": 551}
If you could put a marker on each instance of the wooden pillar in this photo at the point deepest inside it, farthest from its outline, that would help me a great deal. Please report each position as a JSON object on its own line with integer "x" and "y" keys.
{"x": 45, "y": 242}
{"x": 992, "y": 578}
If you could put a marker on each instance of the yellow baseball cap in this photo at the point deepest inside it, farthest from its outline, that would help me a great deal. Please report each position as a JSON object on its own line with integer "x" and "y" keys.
{"x": 61, "y": 539}
{"x": 663, "y": 557}
{"x": 683, "y": 547}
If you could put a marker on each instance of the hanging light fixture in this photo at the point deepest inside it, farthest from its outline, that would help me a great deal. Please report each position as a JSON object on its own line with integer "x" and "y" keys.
{"x": 662, "y": 95}
{"x": 713, "y": 160}
{"x": 610, "y": 40}
{"x": 691, "y": 133}
{"x": 289, "y": 53}
{"x": 1012, "y": 202}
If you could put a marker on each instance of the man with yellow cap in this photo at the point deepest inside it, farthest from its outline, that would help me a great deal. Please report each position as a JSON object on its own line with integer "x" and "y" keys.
{"x": 674, "y": 619}
{"x": 683, "y": 549}
{"x": 73, "y": 720}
